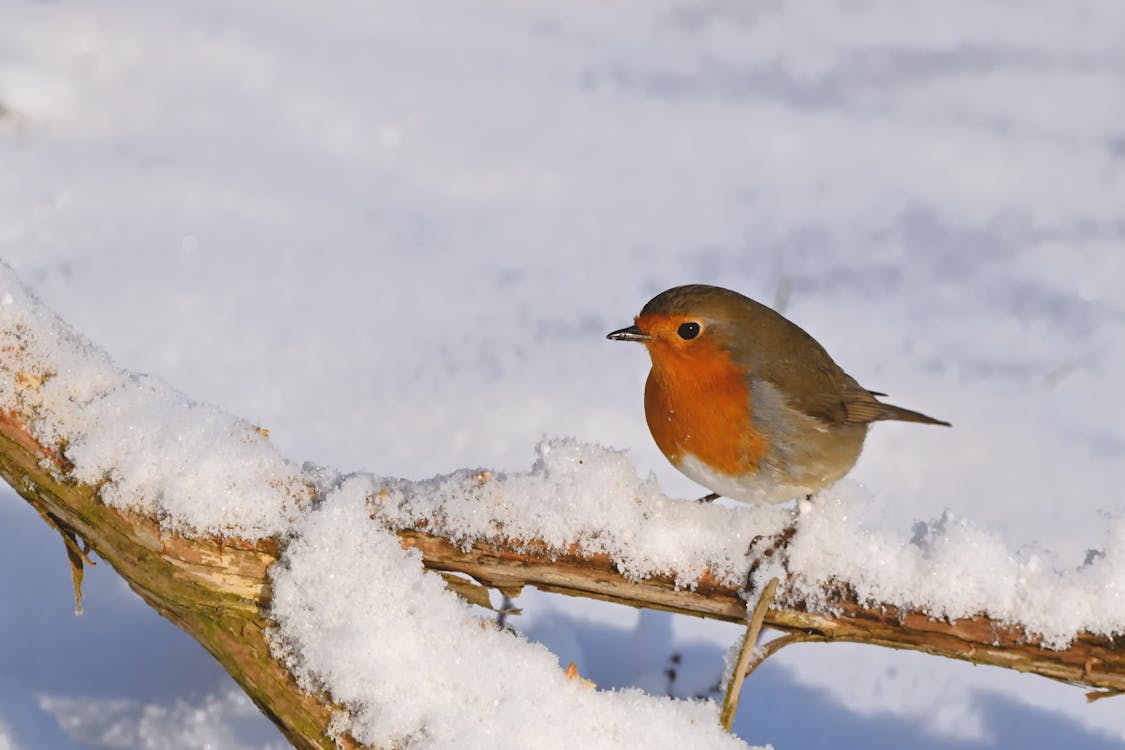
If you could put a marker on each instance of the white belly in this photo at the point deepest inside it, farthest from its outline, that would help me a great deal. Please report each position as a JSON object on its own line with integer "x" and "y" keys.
{"x": 763, "y": 487}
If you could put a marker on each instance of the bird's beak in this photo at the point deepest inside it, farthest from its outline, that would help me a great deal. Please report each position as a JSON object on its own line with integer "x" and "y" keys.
{"x": 632, "y": 333}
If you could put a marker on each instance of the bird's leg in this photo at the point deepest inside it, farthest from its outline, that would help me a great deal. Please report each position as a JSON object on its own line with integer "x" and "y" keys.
{"x": 709, "y": 497}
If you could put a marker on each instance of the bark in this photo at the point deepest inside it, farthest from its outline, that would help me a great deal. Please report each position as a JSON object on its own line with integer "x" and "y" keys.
{"x": 218, "y": 591}
{"x": 1093, "y": 661}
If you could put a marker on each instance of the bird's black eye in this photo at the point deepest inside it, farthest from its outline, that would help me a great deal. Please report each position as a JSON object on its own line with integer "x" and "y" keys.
{"x": 688, "y": 330}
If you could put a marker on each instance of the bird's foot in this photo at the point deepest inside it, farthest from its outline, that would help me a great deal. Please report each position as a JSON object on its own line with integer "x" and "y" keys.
{"x": 709, "y": 497}
{"x": 764, "y": 548}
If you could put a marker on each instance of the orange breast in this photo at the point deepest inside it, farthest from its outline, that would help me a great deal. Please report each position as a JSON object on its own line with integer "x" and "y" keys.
{"x": 699, "y": 403}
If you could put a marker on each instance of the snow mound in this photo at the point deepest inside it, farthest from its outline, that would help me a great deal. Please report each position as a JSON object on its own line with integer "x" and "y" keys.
{"x": 592, "y": 497}
{"x": 951, "y": 568}
{"x": 356, "y": 614}
{"x": 150, "y": 448}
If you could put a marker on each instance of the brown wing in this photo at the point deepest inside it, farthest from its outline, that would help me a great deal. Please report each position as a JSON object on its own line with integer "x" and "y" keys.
{"x": 835, "y": 397}
{"x": 801, "y": 368}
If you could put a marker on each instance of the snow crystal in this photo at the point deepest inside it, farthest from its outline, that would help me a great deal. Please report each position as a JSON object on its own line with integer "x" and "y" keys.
{"x": 356, "y": 613}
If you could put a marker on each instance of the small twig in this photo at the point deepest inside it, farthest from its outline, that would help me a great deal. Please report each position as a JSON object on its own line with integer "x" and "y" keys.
{"x": 671, "y": 672}
{"x": 745, "y": 654}
{"x": 1097, "y": 695}
{"x": 507, "y": 608}
{"x": 76, "y": 555}
{"x": 767, "y": 650}
{"x": 77, "y": 569}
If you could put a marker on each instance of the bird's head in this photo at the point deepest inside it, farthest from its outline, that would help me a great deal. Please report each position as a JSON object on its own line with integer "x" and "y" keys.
{"x": 692, "y": 324}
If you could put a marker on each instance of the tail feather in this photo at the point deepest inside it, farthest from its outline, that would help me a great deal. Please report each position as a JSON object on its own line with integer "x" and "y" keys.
{"x": 861, "y": 407}
{"x": 889, "y": 411}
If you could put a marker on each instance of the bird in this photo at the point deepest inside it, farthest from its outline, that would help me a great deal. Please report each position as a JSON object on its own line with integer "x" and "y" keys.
{"x": 745, "y": 402}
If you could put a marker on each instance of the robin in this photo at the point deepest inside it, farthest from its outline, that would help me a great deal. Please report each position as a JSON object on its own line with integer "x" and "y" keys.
{"x": 746, "y": 403}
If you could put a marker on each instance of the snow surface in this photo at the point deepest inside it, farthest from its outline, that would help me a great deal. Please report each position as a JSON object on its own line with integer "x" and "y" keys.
{"x": 589, "y": 496}
{"x": 952, "y": 568}
{"x": 355, "y": 615}
{"x": 151, "y": 449}
{"x": 394, "y": 236}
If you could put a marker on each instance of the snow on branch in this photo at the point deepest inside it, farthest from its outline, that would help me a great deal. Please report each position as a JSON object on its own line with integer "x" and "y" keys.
{"x": 310, "y": 586}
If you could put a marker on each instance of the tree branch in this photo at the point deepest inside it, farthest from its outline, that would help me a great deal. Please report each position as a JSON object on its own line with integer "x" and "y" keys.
{"x": 218, "y": 591}
{"x": 1092, "y": 661}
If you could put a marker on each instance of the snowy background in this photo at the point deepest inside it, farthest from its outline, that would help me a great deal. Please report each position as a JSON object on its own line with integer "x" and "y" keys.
{"x": 395, "y": 235}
